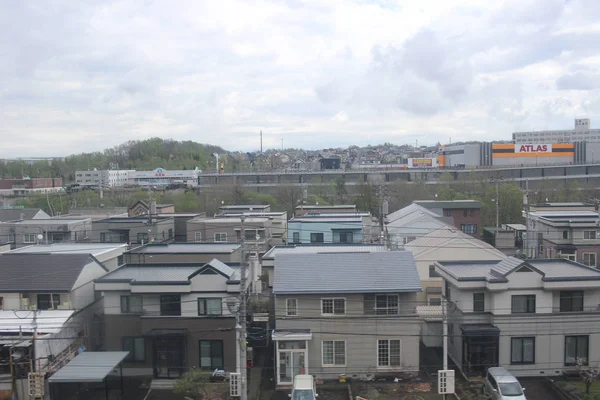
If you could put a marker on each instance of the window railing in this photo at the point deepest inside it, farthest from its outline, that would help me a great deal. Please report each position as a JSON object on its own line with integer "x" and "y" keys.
{"x": 567, "y": 310}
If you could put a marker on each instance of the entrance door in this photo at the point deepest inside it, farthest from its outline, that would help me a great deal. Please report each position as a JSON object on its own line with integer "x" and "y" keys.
{"x": 168, "y": 357}
{"x": 291, "y": 363}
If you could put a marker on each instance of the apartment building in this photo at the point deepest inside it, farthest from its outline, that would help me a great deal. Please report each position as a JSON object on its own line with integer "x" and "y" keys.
{"x": 46, "y": 231}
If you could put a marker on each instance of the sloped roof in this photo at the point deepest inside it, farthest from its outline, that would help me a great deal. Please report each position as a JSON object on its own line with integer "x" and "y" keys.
{"x": 411, "y": 208}
{"x": 393, "y": 271}
{"x": 187, "y": 248}
{"x": 15, "y": 214}
{"x": 323, "y": 249}
{"x": 41, "y": 272}
{"x": 448, "y": 204}
{"x": 449, "y": 237}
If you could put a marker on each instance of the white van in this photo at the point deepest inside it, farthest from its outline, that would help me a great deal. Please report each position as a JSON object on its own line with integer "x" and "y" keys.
{"x": 304, "y": 388}
{"x": 502, "y": 385}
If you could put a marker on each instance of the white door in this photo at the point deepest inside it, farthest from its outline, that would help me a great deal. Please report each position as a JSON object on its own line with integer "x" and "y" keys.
{"x": 290, "y": 364}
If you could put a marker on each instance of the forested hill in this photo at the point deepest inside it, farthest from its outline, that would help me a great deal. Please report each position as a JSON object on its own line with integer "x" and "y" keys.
{"x": 139, "y": 154}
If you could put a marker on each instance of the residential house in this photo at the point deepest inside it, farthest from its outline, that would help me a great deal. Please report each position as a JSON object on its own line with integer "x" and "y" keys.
{"x": 142, "y": 207}
{"x": 110, "y": 255}
{"x": 324, "y": 227}
{"x": 345, "y": 314}
{"x": 50, "y": 230}
{"x": 96, "y": 213}
{"x": 412, "y": 222}
{"x": 258, "y": 231}
{"x": 442, "y": 245}
{"x": 16, "y": 214}
{"x": 268, "y": 259}
{"x": 316, "y": 208}
{"x": 172, "y": 318}
{"x": 503, "y": 239}
{"x": 133, "y": 230}
{"x": 243, "y": 208}
{"x": 57, "y": 291}
{"x": 180, "y": 221}
{"x": 533, "y": 317}
{"x": 567, "y": 234}
{"x": 519, "y": 232}
{"x": 466, "y": 214}
{"x": 177, "y": 253}
{"x": 279, "y": 220}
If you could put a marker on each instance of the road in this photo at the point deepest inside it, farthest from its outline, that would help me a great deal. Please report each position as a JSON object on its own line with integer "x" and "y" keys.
{"x": 539, "y": 390}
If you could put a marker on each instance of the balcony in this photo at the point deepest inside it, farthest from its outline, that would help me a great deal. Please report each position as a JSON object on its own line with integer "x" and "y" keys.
{"x": 430, "y": 313}
{"x": 587, "y": 309}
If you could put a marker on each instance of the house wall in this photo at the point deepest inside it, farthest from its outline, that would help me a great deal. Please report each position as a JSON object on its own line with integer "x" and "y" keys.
{"x": 208, "y": 229}
{"x": 82, "y": 293}
{"x": 459, "y": 217}
{"x": 110, "y": 258}
{"x": 5, "y": 247}
{"x": 81, "y": 228}
{"x": 11, "y": 301}
{"x": 304, "y": 230}
{"x": 158, "y": 231}
{"x": 401, "y": 229}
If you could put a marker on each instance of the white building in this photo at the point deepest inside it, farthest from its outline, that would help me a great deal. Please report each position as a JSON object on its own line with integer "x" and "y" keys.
{"x": 163, "y": 177}
{"x": 105, "y": 178}
{"x": 580, "y": 133}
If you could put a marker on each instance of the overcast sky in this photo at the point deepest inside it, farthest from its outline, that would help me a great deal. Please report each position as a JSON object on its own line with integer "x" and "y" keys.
{"x": 81, "y": 76}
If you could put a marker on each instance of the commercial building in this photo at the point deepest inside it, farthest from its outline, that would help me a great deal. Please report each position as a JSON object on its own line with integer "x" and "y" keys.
{"x": 580, "y": 133}
{"x": 161, "y": 177}
{"x": 24, "y": 186}
{"x": 106, "y": 178}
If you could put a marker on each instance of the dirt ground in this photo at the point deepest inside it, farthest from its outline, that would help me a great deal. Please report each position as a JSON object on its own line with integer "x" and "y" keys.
{"x": 395, "y": 391}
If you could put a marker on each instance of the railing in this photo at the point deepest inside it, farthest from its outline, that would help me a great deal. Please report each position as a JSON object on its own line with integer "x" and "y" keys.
{"x": 432, "y": 313}
{"x": 587, "y": 309}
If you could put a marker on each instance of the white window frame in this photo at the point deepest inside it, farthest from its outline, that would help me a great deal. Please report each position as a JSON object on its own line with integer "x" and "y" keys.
{"x": 333, "y": 344}
{"x": 220, "y": 236}
{"x": 333, "y": 299}
{"x": 288, "y": 309}
{"x": 29, "y": 235}
{"x": 197, "y": 236}
{"x": 595, "y": 259}
{"x": 389, "y": 355}
{"x": 590, "y": 238}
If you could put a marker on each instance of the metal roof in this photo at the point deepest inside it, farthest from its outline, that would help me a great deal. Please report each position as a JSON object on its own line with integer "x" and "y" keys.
{"x": 71, "y": 248}
{"x": 392, "y": 271}
{"x": 516, "y": 227}
{"x": 132, "y": 220}
{"x": 449, "y": 237}
{"x": 322, "y": 207}
{"x": 341, "y": 220}
{"x": 41, "y": 272}
{"x": 449, "y": 204}
{"x": 323, "y": 249}
{"x": 187, "y": 248}
{"x": 151, "y": 273}
{"x": 47, "y": 321}
{"x": 91, "y": 366}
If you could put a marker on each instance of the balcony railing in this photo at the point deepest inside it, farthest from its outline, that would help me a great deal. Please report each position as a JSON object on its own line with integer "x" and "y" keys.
{"x": 430, "y": 313}
{"x": 586, "y": 309}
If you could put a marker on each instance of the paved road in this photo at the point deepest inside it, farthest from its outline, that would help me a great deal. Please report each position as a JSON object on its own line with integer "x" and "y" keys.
{"x": 539, "y": 390}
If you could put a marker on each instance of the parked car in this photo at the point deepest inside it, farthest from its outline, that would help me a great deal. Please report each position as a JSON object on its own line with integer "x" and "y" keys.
{"x": 304, "y": 388}
{"x": 502, "y": 385}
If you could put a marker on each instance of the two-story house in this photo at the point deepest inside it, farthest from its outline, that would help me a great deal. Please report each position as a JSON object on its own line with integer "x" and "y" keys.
{"x": 351, "y": 314}
{"x": 342, "y": 227}
{"x": 278, "y": 220}
{"x": 533, "y": 317}
{"x": 172, "y": 318}
{"x": 184, "y": 253}
{"x": 50, "y": 230}
{"x": 412, "y": 222}
{"x": 133, "y": 230}
{"x": 572, "y": 234}
{"x": 465, "y": 214}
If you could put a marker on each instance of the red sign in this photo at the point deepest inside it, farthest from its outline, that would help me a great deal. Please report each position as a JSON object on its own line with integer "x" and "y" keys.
{"x": 533, "y": 148}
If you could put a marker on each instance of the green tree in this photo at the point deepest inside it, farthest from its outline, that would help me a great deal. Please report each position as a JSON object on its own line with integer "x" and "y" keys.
{"x": 193, "y": 384}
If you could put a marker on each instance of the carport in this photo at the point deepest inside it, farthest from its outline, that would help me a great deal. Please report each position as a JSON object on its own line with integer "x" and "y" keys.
{"x": 88, "y": 367}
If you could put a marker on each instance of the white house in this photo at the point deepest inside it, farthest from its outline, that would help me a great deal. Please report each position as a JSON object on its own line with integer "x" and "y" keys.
{"x": 412, "y": 222}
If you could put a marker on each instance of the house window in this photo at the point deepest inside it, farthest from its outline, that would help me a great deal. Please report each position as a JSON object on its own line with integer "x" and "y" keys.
{"x": 197, "y": 236}
{"x": 576, "y": 348}
{"x": 296, "y": 237}
{"x": 447, "y": 213}
{"x": 589, "y": 259}
{"x": 142, "y": 237}
{"x": 210, "y": 306}
{"x": 469, "y": 229}
{"x": 571, "y": 301}
{"x": 478, "y": 302}
{"x": 465, "y": 212}
{"x": 250, "y": 234}
{"x": 472, "y": 212}
{"x": 29, "y": 238}
{"x": 386, "y": 304}
{"x": 211, "y": 354}
{"x": 104, "y": 237}
{"x": 131, "y": 304}
{"x": 569, "y": 256}
{"x": 170, "y": 233}
{"x": 333, "y": 306}
{"x": 589, "y": 235}
{"x": 136, "y": 348}
{"x": 522, "y": 350}
{"x": 565, "y": 234}
{"x": 346, "y": 237}
{"x": 59, "y": 237}
{"x": 388, "y": 353}
{"x": 522, "y": 304}
{"x": 11, "y": 237}
{"x": 48, "y": 301}
{"x": 334, "y": 353}
{"x": 220, "y": 237}
{"x": 170, "y": 304}
{"x": 316, "y": 238}
{"x": 408, "y": 239}
{"x": 432, "y": 272}
{"x": 291, "y": 307}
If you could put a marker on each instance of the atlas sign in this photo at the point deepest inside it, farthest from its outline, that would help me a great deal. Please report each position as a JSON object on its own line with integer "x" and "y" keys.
{"x": 533, "y": 148}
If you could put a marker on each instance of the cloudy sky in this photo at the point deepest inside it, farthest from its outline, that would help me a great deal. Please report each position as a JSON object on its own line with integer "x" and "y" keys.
{"x": 85, "y": 75}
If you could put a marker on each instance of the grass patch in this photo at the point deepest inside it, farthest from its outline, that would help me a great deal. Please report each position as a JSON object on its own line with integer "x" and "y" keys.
{"x": 594, "y": 389}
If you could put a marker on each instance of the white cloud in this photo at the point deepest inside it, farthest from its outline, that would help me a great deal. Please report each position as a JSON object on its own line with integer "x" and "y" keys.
{"x": 317, "y": 73}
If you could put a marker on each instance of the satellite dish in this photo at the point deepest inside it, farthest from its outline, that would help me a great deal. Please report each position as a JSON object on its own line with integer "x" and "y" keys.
{"x": 40, "y": 236}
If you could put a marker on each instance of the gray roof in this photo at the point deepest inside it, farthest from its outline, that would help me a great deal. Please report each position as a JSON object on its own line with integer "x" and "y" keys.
{"x": 323, "y": 207}
{"x": 91, "y": 366}
{"x": 52, "y": 221}
{"x": 555, "y": 269}
{"x": 342, "y": 220}
{"x": 458, "y": 204}
{"x": 323, "y": 249}
{"x": 41, "y": 272}
{"x": 187, "y": 248}
{"x": 131, "y": 220}
{"x": 15, "y": 214}
{"x": 71, "y": 248}
{"x": 393, "y": 271}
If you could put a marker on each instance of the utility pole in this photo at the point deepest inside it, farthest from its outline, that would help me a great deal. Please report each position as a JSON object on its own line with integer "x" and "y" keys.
{"x": 242, "y": 318}
{"x": 496, "y": 179}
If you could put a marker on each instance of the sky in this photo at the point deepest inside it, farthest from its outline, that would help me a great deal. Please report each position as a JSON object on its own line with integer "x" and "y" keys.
{"x": 88, "y": 75}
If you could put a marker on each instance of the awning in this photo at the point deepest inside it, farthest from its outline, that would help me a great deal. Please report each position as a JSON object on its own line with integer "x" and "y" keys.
{"x": 166, "y": 332}
{"x": 479, "y": 330}
{"x": 292, "y": 335}
{"x": 91, "y": 366}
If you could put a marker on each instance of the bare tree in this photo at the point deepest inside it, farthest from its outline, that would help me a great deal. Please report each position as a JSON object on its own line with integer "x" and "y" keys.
{"x": 589, "y": 374}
